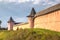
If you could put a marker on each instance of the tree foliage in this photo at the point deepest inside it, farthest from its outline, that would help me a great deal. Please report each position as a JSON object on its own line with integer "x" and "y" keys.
{"x": 0, "y": 23}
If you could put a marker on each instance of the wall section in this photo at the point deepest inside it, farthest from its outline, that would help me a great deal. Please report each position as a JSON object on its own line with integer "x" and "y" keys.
{"x": 23, "y": 26}
{"x": 50, "y": 21}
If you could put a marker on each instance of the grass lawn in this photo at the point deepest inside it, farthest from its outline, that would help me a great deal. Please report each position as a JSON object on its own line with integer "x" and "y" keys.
{"x": 29, "y": 34}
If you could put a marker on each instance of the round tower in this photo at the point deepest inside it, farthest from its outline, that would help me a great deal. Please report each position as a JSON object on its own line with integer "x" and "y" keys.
{"x": 10, "y": 24}
{"x": 31, "y": 18}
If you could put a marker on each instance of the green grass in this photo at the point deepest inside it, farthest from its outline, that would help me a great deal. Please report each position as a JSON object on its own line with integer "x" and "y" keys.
{"x": 29, "y": 34}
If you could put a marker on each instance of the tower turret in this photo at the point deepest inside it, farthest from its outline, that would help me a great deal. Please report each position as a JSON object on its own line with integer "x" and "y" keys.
{"x": 31, "y": 18}
{"x": 10, "y": 24}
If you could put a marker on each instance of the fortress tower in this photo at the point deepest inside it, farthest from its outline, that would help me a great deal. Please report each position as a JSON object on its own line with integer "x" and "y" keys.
{"x": 10, "y": 24}
{"x": 31, "y": 18}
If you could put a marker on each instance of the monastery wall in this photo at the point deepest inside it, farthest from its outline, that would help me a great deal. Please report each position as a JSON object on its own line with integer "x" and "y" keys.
{"x": 49, "y": 21}
{"x": 22, "y": 26}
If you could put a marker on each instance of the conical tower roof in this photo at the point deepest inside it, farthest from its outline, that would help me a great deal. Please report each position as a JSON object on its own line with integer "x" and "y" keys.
{"x": 32, "y": 14}
{"x": 10, "y": 20}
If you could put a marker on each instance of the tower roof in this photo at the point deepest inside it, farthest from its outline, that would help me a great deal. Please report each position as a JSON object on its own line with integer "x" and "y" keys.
{"x": 32, "y": 14}
{"x": 10, "y": 20}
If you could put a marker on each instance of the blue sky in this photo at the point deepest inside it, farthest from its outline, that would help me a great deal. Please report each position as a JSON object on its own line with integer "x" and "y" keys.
{"x": 19, "y": 9}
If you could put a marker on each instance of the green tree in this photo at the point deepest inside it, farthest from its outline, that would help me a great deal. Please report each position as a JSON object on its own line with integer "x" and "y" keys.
{"x": 0, "y": 23}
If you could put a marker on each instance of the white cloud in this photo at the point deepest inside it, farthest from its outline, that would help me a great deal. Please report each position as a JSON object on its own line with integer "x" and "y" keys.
{"x": 45, "y": 2}
{"x": 19, "y": 1}
{"x": 0, "y": 0}
{"x": 33, "y": 1}
{"x": 23, "y": 19}
{"x": 11, "y": 0}
{"x": 57, "y": 1}
{"x": 36, "y": 1}
{"x": 20, "y": 19}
